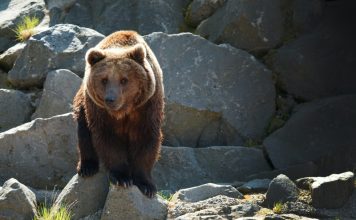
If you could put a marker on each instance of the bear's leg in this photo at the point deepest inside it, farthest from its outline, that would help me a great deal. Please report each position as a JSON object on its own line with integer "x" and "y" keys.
{"x": 88, "y": 163}
{"x": 113, "y": 153}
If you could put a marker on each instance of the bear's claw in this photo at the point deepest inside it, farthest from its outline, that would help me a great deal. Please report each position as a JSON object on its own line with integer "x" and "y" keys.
{"x": 87, "y": 168}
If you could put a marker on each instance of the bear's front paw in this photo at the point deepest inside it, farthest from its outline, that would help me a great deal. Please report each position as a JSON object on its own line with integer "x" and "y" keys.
{"x": 147, "y": 188}
{"x": 87, "y": 168}
{"x": 120, "y": 179}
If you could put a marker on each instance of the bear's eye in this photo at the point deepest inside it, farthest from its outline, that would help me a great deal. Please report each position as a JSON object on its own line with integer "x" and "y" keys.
{"x": 104, "y": 81}
{"x": 123, "y": 81}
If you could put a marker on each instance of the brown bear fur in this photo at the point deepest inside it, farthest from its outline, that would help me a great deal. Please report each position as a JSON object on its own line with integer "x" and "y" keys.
{"x": 119, "y": 111}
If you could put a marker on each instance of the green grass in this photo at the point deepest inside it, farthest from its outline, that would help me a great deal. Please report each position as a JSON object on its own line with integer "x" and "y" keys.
{"x": 26, "y": 28}
{"x": 277, "y": 208}
{"x": 45, "y": 213}
{"x": 165, "y": 196}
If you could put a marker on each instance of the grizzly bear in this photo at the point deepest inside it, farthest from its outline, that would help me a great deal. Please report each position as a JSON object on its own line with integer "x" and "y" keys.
{"x": 119, "y": 111}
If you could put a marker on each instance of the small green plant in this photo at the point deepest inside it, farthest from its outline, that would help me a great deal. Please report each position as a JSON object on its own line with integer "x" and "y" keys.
{"x": 165, "y": 196}
{"x": 26, "y": 28}
{"x": 277, "y": 207}
{"x": 45, "y": 213}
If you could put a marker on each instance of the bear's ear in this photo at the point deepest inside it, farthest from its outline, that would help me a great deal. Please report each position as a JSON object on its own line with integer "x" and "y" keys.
{"x": 138, "y": 53}
{"x": 94, "y": 55}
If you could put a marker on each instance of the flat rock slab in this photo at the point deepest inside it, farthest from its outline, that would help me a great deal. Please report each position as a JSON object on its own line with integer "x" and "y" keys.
{"x": 255, "y": 186}
{"x": 205, "y": 191}
{"x": 130, "y": 203}
{"x": 41, "y": 153}
{"x": 215, "y": 95}
{"x": 322, "y": 131}
{"x": 182, "y": 167}
{"x": 62, "y": 46}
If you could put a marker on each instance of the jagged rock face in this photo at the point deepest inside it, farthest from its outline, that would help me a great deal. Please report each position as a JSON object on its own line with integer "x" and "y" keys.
{"x": 321, "y": 131}
{"x": 110, "y": 15}
{"x": 59, "y": 47}
{"x": 215, "y": 95}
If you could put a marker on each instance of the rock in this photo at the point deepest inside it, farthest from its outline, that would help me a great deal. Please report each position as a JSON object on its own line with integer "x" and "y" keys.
{"x": 8, "y": 58}
{"x": 109, "y": 16}
{"x": 45, "y": 196}
{"x": 205, "y": 191}
{"x": 293, "y": 172}
{"x": 329, "y": 192}
{"x": 130, "y": 203}
{"x": 61, "y": 4}
{"x": 4, "y": 84}
{"x": 287, "y": 217}
{"x": 199, "y": 10}
{"x": 41, "y": 153}
{"x": 301, "y": 209}
{"x": 218, "y": 207}
{"x": 281, "y": 189}
{"x": 15, "y": 108}
{"x": 219, "y": 97}
{"x": 318, "y": 130}
{"x": 16, "y": 201}
{"x": 255, "y": 186}
{"x": 59, "y": 90}
{"x": 60, "y": 46}
{"x": 84, "y": 196}
{"x": 95, "y": 216}
{"x": 182, "y": 167}
{"x": 248, "y": 25}
{"x": 302, "y": 67}
{"x": 12, "y": 12}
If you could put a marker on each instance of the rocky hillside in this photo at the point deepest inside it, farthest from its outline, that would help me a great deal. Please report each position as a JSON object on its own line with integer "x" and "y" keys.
{"x": 260, "y": 108}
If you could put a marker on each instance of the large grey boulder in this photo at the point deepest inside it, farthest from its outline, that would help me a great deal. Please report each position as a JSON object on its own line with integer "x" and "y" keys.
{"x": 215, "y": 95}
{"x": 12, "y": 12}
{"x": 59, "y": 47}
{"x": 84, "y": 196}
{"x": 15, "y": 108}
{"x": 41, "y": 153}
{"x": 321, "y": 63}
{"x": 130, "y": 203}
{"x": 329, "y": 192}
{"x": 205, "y": 191}
{"x": 59, "y": 90}
{"x": 199, "y": 10}
{"x": 8, "y": 58}
{"x": 181, "y": 167}
{"x": 110, "y": 15}
{"x": 281, "y": 189}
{"x": 321, "y": 131}
{"x": 16, "y": 201}
{"x": 249, "y": 25}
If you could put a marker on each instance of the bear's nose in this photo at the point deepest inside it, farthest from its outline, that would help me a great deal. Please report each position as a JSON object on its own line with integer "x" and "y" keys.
{"x": 109, "y": 100}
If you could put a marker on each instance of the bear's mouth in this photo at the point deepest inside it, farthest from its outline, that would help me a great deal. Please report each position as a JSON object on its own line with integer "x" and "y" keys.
{"x": 114, "y": 106}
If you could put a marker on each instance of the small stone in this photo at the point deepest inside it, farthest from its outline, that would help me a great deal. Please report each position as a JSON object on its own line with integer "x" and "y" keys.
{"x": 8, "y": 58}
{"x": 281, "y": 189}
{"x": 255, "y": 186}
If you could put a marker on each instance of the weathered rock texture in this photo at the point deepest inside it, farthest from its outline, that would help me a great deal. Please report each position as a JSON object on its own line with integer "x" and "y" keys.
{"x": 12, "y": 12}
{"x": 59, "y": 47}
{"x": 321, "y": 131}
{"x": 215, "y": 95}
{"x": 15, "y": 108}
{"x": 180, "y": 167}
{"x": 84, "y": 196}
{"x": 8, "y": 58}
{"x": 16, "y": 201}
{"x": 59, "y": 90}
{"x": 130, "y": 203}
{"x": 281, "y": 189}
{"x": 41, "y": 153}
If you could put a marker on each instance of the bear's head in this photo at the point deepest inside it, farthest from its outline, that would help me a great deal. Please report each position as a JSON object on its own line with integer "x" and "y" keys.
{"x": 119, "y": 79}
